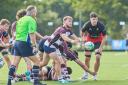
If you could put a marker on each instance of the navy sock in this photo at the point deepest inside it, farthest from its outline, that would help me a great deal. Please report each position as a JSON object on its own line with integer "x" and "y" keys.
{"x": 12, "y": 70}
{"x": 35, "y": 72}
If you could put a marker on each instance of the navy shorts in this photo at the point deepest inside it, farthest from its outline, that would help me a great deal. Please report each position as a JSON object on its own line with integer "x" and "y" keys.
{"x": 41, "y": 45}
{"x": 48, "y": 49}
{"x": 11, "y": 50}
{"x": 23, "y": 49}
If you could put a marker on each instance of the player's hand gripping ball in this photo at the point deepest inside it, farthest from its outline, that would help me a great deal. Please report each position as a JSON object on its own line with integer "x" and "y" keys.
{"x": 89, "y": 45}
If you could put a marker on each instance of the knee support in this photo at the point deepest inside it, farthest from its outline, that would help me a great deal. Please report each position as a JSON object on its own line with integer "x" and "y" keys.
{"x": 88, "y": 56}
{"x": 4, "y": 53}
{"x": 98, "y": 53}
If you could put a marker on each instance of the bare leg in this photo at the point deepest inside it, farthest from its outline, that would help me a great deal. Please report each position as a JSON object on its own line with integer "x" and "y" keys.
{"x": 6, "y": 58}
{"x": 16, "y": 60}
{"x": 29, "y": 64}
{"x": 87, "y": 61}
{"x": 97, "y": 63}
{"x": 41, "y": 56}
{"x": 57, "y": 65}
{"x": 45, "y": 59}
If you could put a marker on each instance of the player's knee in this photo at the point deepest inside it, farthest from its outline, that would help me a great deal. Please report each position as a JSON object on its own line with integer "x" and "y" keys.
{"x": 88, "y": 52}
{"x": 97, "y": 53}
{"x": 98, "y": 56}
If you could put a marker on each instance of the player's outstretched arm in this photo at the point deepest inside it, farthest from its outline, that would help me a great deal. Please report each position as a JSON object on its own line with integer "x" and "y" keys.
{"x": 65, "y": 38}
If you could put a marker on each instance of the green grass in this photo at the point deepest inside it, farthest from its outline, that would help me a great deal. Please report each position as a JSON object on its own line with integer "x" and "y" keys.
{"x": 113, "y": 71}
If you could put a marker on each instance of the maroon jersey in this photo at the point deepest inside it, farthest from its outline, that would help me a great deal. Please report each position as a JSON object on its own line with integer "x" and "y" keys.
{"x": 55, "y": 38}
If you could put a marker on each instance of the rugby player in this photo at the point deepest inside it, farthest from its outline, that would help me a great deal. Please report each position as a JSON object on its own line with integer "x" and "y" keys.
{"x": 4, "y": 40}
{"x": 94, "y": 31}
{"x": 52, "y": 46}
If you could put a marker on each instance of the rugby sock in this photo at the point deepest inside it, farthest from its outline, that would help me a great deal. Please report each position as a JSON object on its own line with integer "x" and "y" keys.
{"x": 12, "y": 70}
{"x": 35, "y": 72}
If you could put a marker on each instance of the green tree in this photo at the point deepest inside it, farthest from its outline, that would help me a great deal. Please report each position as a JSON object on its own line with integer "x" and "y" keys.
{"x": 110, "y": 12}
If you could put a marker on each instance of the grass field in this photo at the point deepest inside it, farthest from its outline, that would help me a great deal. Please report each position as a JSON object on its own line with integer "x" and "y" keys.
{"x": 113, "y": 71}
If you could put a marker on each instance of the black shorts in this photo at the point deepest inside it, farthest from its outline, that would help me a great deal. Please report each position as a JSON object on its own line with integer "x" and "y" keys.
{"x": 11, "y": 50}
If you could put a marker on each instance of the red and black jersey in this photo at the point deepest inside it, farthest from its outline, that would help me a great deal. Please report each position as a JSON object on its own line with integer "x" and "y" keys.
{"x": 94, "y": 33}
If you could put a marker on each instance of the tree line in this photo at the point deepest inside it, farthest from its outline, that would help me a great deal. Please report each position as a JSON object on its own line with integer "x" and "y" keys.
{"x": 110, "y": 12}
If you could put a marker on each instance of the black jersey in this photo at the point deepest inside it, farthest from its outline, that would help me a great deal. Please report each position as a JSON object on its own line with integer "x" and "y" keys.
{"x": 94, "y": 31}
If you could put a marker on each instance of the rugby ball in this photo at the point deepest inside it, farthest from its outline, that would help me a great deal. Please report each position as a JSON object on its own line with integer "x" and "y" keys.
{"x": 89, "y": 45}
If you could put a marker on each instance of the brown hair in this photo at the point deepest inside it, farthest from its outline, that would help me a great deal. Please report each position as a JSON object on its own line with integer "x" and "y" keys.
{"x": 93, "y": 14}
{"x": 4, "y": 21}
{"x": 20, "y": 13}
{"x": 67, "y": 17}
{"x": 30, "y": 7}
